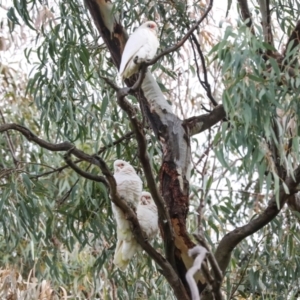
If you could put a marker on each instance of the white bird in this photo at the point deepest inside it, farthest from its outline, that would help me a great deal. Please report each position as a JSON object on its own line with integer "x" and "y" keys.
{"x": 129, "y": 187}
{"x": 147, "y": 216}
{"x": 148, "y": 220}
{"x": 140, "y": 47}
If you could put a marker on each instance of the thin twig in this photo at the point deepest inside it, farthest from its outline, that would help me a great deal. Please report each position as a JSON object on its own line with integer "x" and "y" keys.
{"x": 81, "y": 172}
{"x": 62, "y": 199}
{"x": 205, "y": 84}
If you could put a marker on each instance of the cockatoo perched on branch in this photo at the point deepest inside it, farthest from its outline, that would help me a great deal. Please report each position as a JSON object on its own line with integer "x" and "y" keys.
{"x": 147, "y": 216}
{"x": 140, "y": 47}
{"x": 148, "y": 219}
{"x": 129, "y": 187}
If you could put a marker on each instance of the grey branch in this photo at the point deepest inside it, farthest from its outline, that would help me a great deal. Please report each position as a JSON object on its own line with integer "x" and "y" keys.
{"x": 81, "y": 172}
{"x": 201, "y": 123}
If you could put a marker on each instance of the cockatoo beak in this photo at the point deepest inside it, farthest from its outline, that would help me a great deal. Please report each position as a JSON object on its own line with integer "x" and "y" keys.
{"x": 144, "y": 201}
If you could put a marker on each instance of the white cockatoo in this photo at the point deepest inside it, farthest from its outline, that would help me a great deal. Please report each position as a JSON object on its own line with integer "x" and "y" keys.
{"x": 140, "y": 47}
{"x": 129, "y": 187}
{"x": 147, "y": 216}
{"x": 148, "y": 219}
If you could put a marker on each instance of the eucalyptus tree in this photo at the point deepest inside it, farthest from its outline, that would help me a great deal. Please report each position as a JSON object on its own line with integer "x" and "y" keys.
{"x": 210, "y": 124}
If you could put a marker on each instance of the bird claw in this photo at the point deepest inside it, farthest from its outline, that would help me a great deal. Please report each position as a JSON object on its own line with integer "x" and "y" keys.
{"x": 136, "y": 60}
{"x": 132, "y": 206}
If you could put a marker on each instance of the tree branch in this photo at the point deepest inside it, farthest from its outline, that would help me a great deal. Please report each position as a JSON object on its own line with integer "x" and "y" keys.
{"x": 246, "y": 14}
{"x": 264, "y": 6}
{"x": 167, "y": 269}
{"x": 231, "y": 240}
{"x": 145, "y": 161}
{"x": 201, "y": 123}
{"x": 81, "y": 172}
{"x": 205, "y": 84}
{"x": 125, "y": 137}
{"x": 174, "y": 140}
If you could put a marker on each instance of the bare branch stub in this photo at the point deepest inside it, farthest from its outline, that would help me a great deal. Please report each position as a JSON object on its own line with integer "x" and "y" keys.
{"x": 201, "y": 123}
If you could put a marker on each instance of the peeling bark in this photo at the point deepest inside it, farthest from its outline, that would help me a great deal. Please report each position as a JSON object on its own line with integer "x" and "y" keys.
{"x": 175, "y": 170}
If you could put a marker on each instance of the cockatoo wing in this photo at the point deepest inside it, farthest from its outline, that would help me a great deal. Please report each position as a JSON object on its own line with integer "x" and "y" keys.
{"x": 129, "y": 187}
{"x": 148, "y": 221}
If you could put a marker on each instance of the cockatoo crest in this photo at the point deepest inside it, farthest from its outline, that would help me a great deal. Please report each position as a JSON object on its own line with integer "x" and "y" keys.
{"x": 140, "y": 47}
{"x": 121, "y": 166}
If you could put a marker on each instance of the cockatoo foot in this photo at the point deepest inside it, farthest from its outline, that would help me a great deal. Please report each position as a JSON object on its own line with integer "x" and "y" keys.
{"x": 132, "y": 206}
